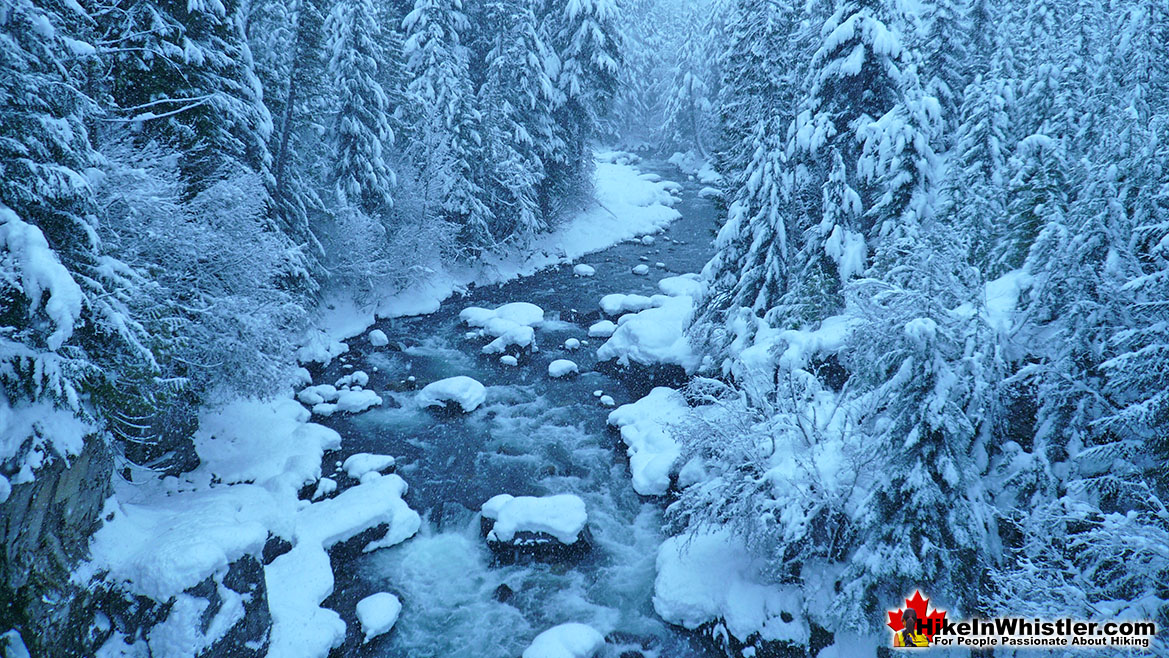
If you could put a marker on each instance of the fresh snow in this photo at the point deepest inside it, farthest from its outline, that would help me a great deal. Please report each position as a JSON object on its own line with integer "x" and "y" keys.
{"x": 378, "y": 338}
{"x": 654, "y": 336}
{"x": 465, "y": 391}
{"x": 645, "y": 430}
{"x": 685, "y": 285}
{"x": 378, "y": 613}
{"x": 352, "y": 401}
{"x": 602, "y": 329}
{"x": 617, "y": 303}
{"x": 584, "y": 270}
{"x": 572, "y": 344}
{"x": 359, "y": 464}
{"x": 710, "y": 576}
{"x": 509, "y": 360}
{"x": 641, "y": 270}
{"x": 562, "y": 368}
{"x": 44, "y": 280}
{"x": 566, "y": 641}
{"x": 563, "y": 516}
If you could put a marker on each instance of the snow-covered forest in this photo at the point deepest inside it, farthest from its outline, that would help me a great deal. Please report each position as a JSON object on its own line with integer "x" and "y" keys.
{"x": 574, "y": 328}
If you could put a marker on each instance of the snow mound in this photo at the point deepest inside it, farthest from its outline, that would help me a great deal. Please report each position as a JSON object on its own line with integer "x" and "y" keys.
{"x": 602, "y": 329}
{"x": 354, "y": 401}
{"x": 647, "y": 240}
{"x": 685, "y": 285}
{"x": 562, "y": 368}
{"x": 509, "y": 360}
{"x": 572, "y": 344}
{"x": 563, "y": 516}
{"x": 522, "y": 313}
{"x": 361, "y": 463}
{"x": 566, "y": 641}
{"x": 584, "y": 270}
{"x": 711, "y": 576}
{"x": 378, "y": 338}
{"x": 378, "y": 613}
{"x": 467, "y": 392}
{"x": 616, "y": 304}
{"x": 607, "y": 401}
{"x": 641, "y": 270}
{"x": 644, "y": 426}
{"x": 356, "y": 379}
{"x": 654, "y": 336}
{"x": 299, "y": 580}
{"x": 317, "y": 394}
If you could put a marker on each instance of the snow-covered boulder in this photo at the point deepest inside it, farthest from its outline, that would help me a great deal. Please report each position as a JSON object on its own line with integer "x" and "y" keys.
{"x": 548, "y": 527}
{"x": 645, "y": 430}
{"x": 314, "y": 395}
{"x": 378, "y": 613}
{"x": 584, "y": 270}
{"x": 464, "y": 391}
{"x": 352, "y": 401}
{"x": 618, "y": 304}
{"x": 655, "y": 336}
{"x": 688, "y": 285}
{"x": 355, "y": 379}
{"x": 509, "y": 360}
{"x": 510, "y": 325}
{"x": 607, "y": 401}
{"x": 358, "y": 465}
{"x": 602, "y": 329}
{"x": 378, "y": 338}
{"x": 566, "y": 641}
{"x": 562, "y": 368}
{"x": 711, "y": 578}
{"x": 572, "y": 344}
{"x": 647, "y": 240}
{"x": 641, "y": 270}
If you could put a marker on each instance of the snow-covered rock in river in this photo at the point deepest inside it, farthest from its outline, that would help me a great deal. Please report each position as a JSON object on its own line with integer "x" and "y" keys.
{"x": 617, "y": 304}
{"x": 378, "y": 338}
{"x": 607, "y": 401}
{"x": 359, "y": 464}
{"x": 510, "y": 324}
{"x": 355, "y": 379}
{"x": 562, "y": 368}
{"x": 572, "y": 344}
{"x": 584, "y": 270}
{"x": 687, "y": 285}
{"x": 641, "y": 270}
{"x": 353, "y": 401}
{"x": 645, "y": 430}
{"x": 602, "y": 329}
{"x": 464, "y": 391}
{"x": 566, "y": 641}
{"x": 711, "y": 578}
{"x": 547, "y": 527}
{"x": 378, "y": 613}
{"x": 647, "y": 240}
{"x": 509, "y": 360}
{"x": 314, "y": 395}
{"x": 655, "y": 336}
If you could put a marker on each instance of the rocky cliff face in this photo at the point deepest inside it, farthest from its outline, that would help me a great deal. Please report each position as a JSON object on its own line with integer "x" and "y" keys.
{"x": 44, "y": 531}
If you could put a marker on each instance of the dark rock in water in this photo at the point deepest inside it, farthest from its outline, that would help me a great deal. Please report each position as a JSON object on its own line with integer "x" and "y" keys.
{"x": 45, "y": 527}
{"x": 582, "y": 317}
{"x": 274, "y": 548}
{"x": 249, "y": 636}
{"x": 503, "y": 593}
{"x": 351, "y": 549}
{"x": 527, "y": 547}
{"x": 716, "y": 637}
{"x": 641, "y": 379}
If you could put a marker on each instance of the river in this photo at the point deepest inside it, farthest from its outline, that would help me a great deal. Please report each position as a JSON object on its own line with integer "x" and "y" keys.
{"x": 533, "y": 436}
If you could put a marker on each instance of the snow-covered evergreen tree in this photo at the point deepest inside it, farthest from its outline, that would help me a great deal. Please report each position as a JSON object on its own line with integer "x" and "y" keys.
{"x": 360, "y": 131}
{"x": 450, "y": 139}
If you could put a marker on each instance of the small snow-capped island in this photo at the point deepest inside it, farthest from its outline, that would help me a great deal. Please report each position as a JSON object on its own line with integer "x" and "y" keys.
{"x": 453, "y": 394}
{"x": 549, "y": 528}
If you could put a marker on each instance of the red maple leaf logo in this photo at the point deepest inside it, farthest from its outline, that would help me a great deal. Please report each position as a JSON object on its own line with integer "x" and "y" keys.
{"x": 919, "y": 606}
